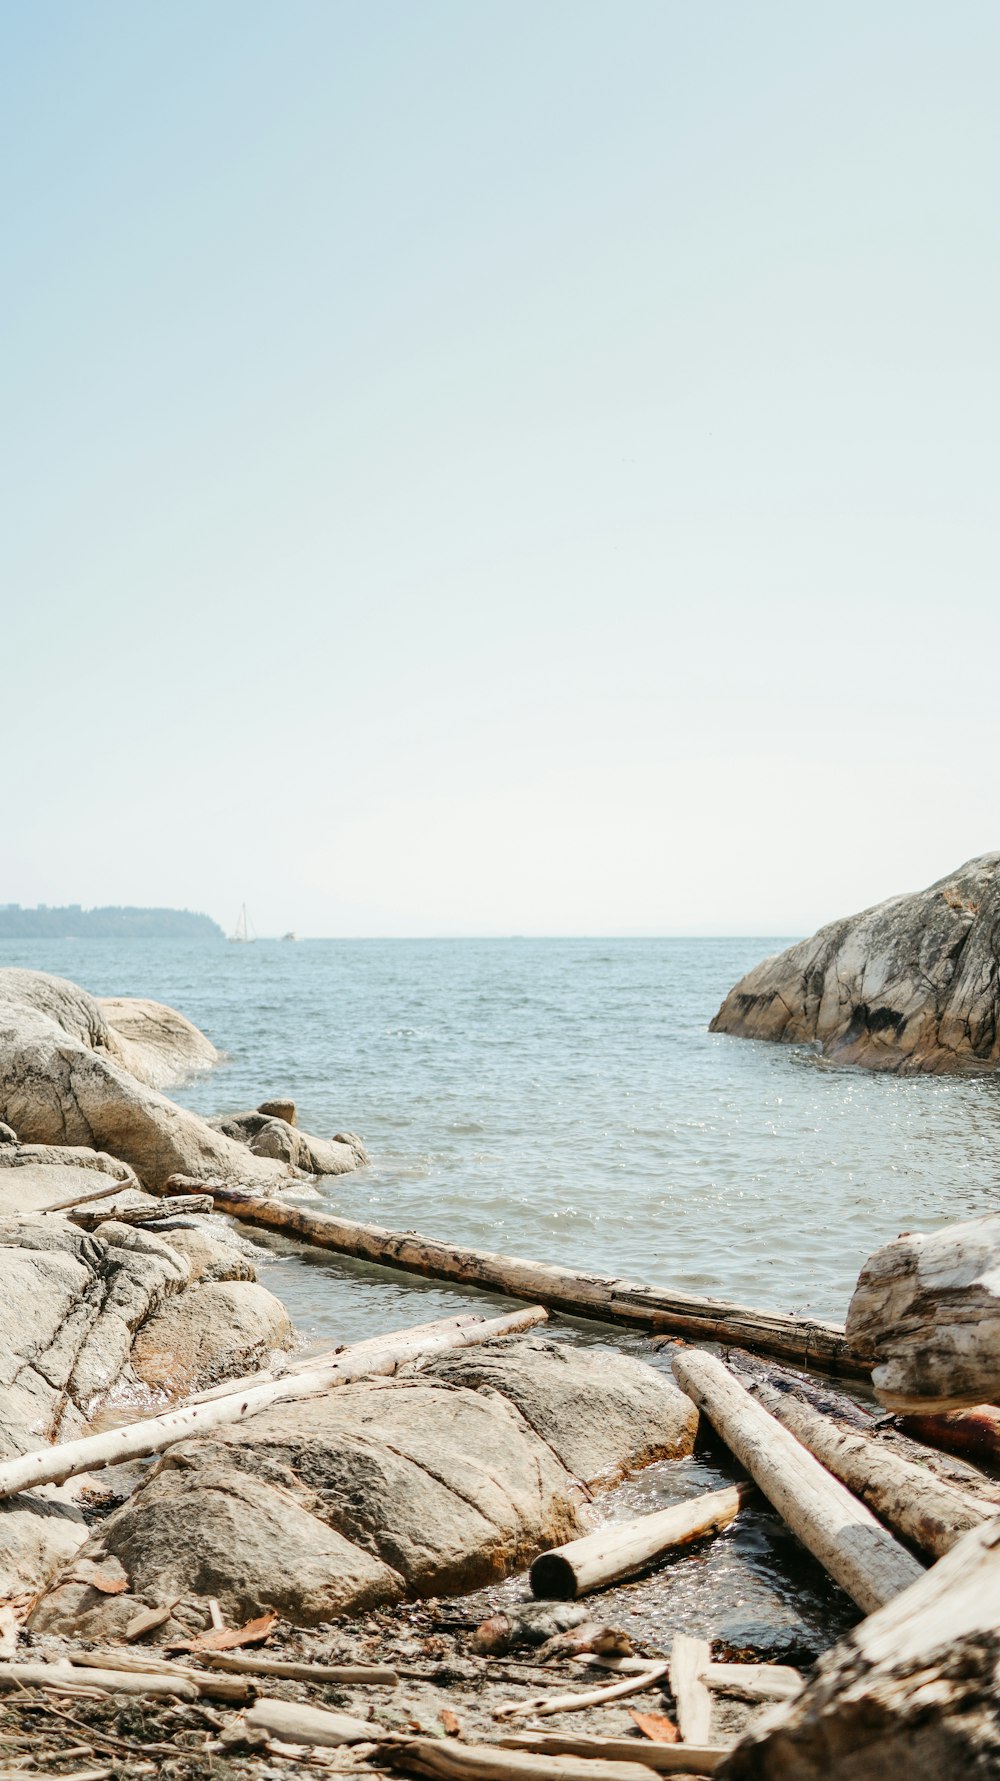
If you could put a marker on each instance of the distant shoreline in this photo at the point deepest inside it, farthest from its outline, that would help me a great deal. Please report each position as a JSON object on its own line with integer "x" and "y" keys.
{"x": 71, "y": 922}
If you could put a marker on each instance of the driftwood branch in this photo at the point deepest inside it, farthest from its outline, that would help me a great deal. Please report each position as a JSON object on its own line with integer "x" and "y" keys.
{"x": 688, "y": 1659}
{"x": 799, "y": 1339}
{"x": 626, "y": 1548}
{"x": 857, "y": 1551}
{"x": 174, "y": 1208}
{"x": 445, "y": 1760}
{"x": 244, "y": 1665}
{"x": 544, "y": 1704}
{"x": 52, "y": 1465}
{"x": 667, "y": 1759}
{"x": 116, "y": 1681}
{"x": 300, "y": 1724}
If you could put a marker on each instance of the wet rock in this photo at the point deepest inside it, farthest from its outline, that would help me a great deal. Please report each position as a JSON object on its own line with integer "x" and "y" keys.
{"x": 912, "y": 984}
{"x": 265, "y": 1134}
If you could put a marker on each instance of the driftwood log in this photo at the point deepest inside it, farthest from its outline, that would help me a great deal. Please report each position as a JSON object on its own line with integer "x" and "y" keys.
{"x": 308, "y": 1362}
{"x": 445, "y": 1760}
{"x": 973, "y": 1432}
{"x": 858, "y": 1552}
{"x": 626, "y": 1548}
{"x": 913, "y": 1502}
{"x": 53, "y": 1465}
{"x": 545, "y": 1704}
{"x": 926, "y": 1317}
{"x": 689, "y": 1658}
{"x": 297, "y": 1723}
{"x": 667, "y": 1759}
{"x": 910, "y": 1692}
{"x": 242, "y": 1663}
{"x": 57, "y": 1675}
{"x": 800, "y": 1339}
{"x": 180, "y": 1205}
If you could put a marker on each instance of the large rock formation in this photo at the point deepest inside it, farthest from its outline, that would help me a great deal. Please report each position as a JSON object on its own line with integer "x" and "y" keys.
{"x": 432, "y": 1482}
{"x": 912, "y": 984}
{"x": 69, "y": 1075}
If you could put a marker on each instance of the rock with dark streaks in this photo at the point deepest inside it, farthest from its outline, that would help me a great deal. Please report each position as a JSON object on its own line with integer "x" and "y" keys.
{"x": 910, "y": 985}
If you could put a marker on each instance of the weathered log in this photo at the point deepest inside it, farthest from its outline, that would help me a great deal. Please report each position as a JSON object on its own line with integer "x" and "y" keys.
{"x": 53, "y": 1465}
{"x": 974, "y": 1432}
{"x": 100, "y": 1193}
{"x": 626, "y": 1548}
{"x": 299, "y": 1724}
{"x": 838, "y": 1530}
{"x": 803, "y": 1340}
{"x": 926, "y": 1317}
{"x": 446, "y": 1760}
{"x": 182, "y": 1204}
{"x": 911, "y": 1691}
{"x": 145, "y": 1663}
{"x": 244, "y": 1665}
{"x": 55, "y": 1675}
{"x": 930, "y": 1514}
{"x": 875, "y": 1423}
{"x": 544, "y": 1704}
{"x": 306, "y": 1364}
{"x": 688, "y": 1658}
{"x": 667, "y": 1759}
{"x": 753, "y": 1682}
{"x": 525, "y": 1623}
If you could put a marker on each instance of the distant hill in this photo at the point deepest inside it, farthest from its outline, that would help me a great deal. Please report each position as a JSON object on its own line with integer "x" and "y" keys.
{"x": 74, "y": 923}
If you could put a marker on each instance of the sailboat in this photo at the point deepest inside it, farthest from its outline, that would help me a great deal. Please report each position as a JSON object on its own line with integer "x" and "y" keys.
{"x": 245, "y": 933}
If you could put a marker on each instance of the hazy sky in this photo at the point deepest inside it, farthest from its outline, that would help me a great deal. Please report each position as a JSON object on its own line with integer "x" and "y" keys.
{"x": 479, "y": 467}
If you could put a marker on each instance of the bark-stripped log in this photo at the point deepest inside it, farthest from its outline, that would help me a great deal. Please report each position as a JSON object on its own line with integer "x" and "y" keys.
{"x": 296, "y": 1723}
{"x": 53, "y": 1465}
{"x": 309, "y": 1361}
{"x": 926, "y": 1317}
{"x": 56, "y": 1675}
{"x": 912, "y": 1501}
{"x": 445, "y": 1760}
{"x": 838, "y": 1530}
{"x": 800, "y": 1339}
{"x": 667, "y": 1759}
{"x": 688, "y": 1659}
{"x": 626, "y": 1548}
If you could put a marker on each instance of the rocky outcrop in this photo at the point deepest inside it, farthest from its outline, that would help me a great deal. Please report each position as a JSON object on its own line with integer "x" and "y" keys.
{"x": 266, "y": 1134}
{"x": 66, "y": 1078}
{"x": 912, "y": 984}
{"x": 155, "y": 1044}
{"x": 418, "y": 1485}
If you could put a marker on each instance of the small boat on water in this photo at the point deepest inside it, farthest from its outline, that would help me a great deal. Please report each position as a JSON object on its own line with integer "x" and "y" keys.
{"x": 244, "y": 933}
{"x": 289, "y": 936}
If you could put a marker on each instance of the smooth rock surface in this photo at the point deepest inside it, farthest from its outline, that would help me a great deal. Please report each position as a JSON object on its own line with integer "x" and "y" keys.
{"x": 156, "y": 1044}
{"x": 912, "y": 984}
{"x": 417, "y": 1485}
{"x": 603, "y": 1413}
{"x": 216, "y": 1329}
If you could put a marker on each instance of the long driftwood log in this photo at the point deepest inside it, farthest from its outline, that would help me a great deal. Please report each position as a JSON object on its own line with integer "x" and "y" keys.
{"x": 54, "y": 1675}
{"x": 667, "y": 1759}
{"x": 858, "y": 1552}
{"x": 926, "y": 1317}
{"x": 305, "y": 1365}
{"x": 445, "y": 1760}
{"x": 626, "y": 1548}
{"x": 53, "y": 1465}
{"x": 913, "y": 1502}
{"x": 910, "y": 1692}
{"x": 800, "y": 1339}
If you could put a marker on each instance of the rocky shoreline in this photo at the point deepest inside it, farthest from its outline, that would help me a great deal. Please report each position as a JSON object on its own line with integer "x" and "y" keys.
{"x": 448, "y": 1458}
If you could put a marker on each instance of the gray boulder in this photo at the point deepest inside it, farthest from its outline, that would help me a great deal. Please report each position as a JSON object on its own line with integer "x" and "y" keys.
{"x": 412, "y": 1486}
{"x": 912, "y": 984}
{"x": 66, "y": 1080}
{"x": 155, "y": 1044}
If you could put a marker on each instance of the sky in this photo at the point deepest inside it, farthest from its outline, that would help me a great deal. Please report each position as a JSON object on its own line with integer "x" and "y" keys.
{"x": 489, "y": 468}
